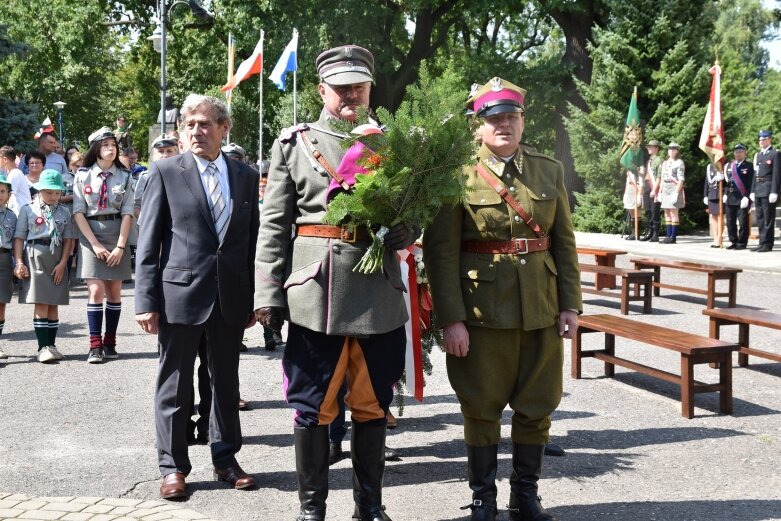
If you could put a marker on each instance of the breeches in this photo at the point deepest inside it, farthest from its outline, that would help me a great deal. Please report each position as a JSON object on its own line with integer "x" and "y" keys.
{"x": 316, "y": 365}
{"x": 522, "y": 369}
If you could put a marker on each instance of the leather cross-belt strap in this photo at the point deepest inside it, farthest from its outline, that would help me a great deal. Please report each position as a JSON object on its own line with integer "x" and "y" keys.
{"x": 343, "y": 233}
{"x": 511, "y": 247}
{"x": 323, "y": 163}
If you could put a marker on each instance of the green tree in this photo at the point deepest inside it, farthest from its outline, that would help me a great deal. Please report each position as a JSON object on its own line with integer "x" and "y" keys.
{"x": 17, "y": 118}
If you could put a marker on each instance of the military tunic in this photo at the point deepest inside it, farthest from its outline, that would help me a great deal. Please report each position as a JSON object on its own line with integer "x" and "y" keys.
{"x": 41, "y": 258}
{"x": 509, "y": 303}
{"x": 739, "y": 177}
{"x": 673, "y": 173}
{"x": 7, "y": 228}
{"x": 767, "y": 180}
{"x": 86, "y": 195}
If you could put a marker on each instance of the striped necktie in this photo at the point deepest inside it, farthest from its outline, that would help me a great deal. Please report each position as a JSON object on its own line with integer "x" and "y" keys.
{"x": 217, "y": 201}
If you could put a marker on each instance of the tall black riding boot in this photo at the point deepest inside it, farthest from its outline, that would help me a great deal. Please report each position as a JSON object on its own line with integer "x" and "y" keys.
{"x": 312, "y": 469}
{"x": 368, "y": 454}
{"x": 482, "y": 481}
{"x": 524, "y": 501}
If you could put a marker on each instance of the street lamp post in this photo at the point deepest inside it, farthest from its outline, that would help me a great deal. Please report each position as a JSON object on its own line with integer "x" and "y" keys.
{"x": 60, "y": 105}
{"x": 159, "y": 41}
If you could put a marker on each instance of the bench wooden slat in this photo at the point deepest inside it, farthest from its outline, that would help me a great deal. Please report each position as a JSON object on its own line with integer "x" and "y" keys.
{"x": 686, "y": 265}
{"x": 714, "y": 273}
{"x": 747, "y": 316}
{"x": 744, "y": 318}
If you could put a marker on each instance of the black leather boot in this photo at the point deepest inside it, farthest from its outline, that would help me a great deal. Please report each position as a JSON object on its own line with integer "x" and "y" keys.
{"x": 368, "y": 454}
{"x": 312, "y": 470}
{"x": 482, "y": 481}
{"x": 524, "y": 501}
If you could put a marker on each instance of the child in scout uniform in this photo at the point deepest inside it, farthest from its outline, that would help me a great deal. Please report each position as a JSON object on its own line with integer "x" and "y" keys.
{"x": 45, "y": 225}
{"x": 672, "y": 195}
{"x": 7, "y": 227}
{"x": 103, "y": 213}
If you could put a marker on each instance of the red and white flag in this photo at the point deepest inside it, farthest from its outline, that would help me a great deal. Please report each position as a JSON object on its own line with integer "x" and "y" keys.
{"x": 46, "y": 128}
{"x": 414, "y": 356}
{"x": 249, "y": 67}
{"x": 712, "y": 137}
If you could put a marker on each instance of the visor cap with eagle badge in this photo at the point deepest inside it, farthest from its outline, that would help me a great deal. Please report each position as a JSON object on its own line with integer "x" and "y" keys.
{"x": 495, "y": 97}
{"x": 345, "y": 65}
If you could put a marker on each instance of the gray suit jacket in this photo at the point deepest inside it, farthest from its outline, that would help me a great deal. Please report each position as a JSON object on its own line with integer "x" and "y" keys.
{"x": 310, "y": 276}
{"x": 181, "y": 268}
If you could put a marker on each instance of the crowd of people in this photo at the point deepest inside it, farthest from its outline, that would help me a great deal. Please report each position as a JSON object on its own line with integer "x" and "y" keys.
{"x": 729, "y": 194}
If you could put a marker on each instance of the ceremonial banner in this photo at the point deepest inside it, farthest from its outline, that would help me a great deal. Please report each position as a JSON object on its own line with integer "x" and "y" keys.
{"x": 712, "y": 137}
{"x": 247, "y": 68}
{"x": 632, "y": 151}
{"x": 414, "y": 355}
{"x": 288, "y": 62}
{"x": 46, "y": 128}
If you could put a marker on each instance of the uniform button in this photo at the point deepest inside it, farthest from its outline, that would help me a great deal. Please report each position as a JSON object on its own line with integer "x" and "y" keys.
{"x": 517, "y": 219}
{"x": 313, "y": 140}
{"x": 335, "y": 249}
{"x": 482, "y": 200}
{"x": 507, "y": 176}
{"x": 219, "y": 252}
{"x": 543, "y": 194}
{"x": 512, "y": 189}
{"x": 523, "y": 261}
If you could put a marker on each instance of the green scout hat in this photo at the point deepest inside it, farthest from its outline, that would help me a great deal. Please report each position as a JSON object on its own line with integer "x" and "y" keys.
{"x": 345, "y": 65}
{"x": 50, "y": 180}
{"x": 495, "y": 97}
{"x": 653, "y": 143}
{"x": 674, "y": 145}
{"x": 101, "y": 134}
{"x": 4, "y": 181}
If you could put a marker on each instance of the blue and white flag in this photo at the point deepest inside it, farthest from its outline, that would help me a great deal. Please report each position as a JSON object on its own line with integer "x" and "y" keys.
{"x": 288, "y": 62}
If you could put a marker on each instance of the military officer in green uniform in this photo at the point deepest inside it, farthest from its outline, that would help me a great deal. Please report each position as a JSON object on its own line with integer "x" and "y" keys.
{"x": 506, "y": 286}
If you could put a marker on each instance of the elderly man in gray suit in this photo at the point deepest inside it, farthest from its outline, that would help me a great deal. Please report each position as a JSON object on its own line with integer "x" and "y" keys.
{"x": 197, "y": 236}
{"x": 342, "y": 324}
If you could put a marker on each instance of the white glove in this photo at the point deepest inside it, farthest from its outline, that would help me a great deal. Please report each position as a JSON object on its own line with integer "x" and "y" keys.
{"x": 705, "y": 201}
{"x": 724, "y": 199}
{"x": 744, "y": 202}
{"x": 719, "y": 177}
{"x": 772, "y": 198}
{"x": 751, "y": 196}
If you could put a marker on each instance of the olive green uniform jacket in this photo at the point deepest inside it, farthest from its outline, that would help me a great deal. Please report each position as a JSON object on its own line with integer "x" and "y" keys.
{"x": 499, "y": 290}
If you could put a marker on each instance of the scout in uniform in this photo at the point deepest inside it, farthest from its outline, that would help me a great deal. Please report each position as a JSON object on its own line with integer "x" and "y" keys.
{"x": 652, "y": 171}
{"x": 764, "y": 190}
{"x": 739, "y": 174}
{"x": 342, "y": 324}
{"x": 505, "y": 281}
{"x": 103, "y": 213}
{"x": 671, "y": 191}
{"x": 7, "y": 227}
{"x": 45, "y": 226}
{"x": 710, "y": 198}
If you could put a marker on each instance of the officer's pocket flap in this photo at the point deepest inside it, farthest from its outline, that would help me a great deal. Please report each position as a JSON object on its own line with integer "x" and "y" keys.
{"x": 177, "y": 275}
{"x": 486, "y": 272}
{"x": 304, "y": 274}
{"x": 551, "y": 264}
{"x": 483, "y": 198}
{"x": 546, "y": 194}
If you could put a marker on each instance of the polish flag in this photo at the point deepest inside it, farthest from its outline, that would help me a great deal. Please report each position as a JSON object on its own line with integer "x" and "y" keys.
{"x": 250, "y": 66}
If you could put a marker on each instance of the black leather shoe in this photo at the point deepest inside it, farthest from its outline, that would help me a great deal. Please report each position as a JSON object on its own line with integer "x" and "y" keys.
{"x": 551, "y": 449}
{"x": 731, "y": 247}
{"x": 740, "y": 247}
{"x": 763, "y": 249}
{"x": 335, "y": 453}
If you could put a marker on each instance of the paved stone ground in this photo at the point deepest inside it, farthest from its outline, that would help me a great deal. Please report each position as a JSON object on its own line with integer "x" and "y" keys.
{"x": 74, "y": 434}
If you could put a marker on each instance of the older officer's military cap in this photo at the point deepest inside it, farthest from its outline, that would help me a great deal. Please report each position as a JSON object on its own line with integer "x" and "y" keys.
{"x": 234, "y": 151}
{"x": 740, "y": 146}
{"x": 101, "y": 134}
{"x": 345, "y": 65}
{"x": 165, "y": 140}
{"x": 654, "y": 143}
{"x": 495, "y": 97}
{"x": 765, "y": 133}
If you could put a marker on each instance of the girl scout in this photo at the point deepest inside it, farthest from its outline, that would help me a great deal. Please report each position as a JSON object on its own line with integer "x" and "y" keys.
{"x": 7, "y": 227}
{"x": 672, "y": 194}
{"x": 103, "y": 213}
{"x": 46, "y": 227}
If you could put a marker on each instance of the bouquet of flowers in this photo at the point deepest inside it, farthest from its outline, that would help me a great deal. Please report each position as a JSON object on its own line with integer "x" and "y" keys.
{"x": 405, "y": 171}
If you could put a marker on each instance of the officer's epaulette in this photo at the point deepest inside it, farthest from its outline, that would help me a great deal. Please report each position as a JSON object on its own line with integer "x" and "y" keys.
{"x": 493, "y": 163}
{"x": 287, "y": 135}
{"x": 532, "y": 152}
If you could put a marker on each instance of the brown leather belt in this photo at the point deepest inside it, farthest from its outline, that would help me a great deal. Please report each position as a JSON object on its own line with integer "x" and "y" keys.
{"x": 343, "y": 233}
{"x": 512, "y": 247}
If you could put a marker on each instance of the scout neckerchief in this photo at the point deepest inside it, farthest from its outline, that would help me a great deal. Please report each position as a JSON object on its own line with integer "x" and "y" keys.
{"x": 2, "y": 222}
{"x": 47, "y": 212}
{"x": 737, "y": 180}
{"x": 500, "y": 189}
{"x": 103, "y": 199}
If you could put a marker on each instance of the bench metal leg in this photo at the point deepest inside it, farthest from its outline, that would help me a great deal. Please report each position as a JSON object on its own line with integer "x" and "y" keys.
{"x": 725, "y": 380}
{"x": 610, "y": 349}
{"x": 743, "y": 342}
{"x": 687, "y": 387}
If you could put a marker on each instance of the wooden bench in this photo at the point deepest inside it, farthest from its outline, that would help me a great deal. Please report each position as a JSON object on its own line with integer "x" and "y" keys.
{"x": 694, "y": 350}
{"x": 714, "y": 273}
{"x": 744, "y": 317}
{"x": 638, "y": 281}
{"x": 603, "y": 257}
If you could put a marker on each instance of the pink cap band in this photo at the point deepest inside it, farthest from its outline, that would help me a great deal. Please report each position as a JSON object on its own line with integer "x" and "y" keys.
{"x": 497, "y": 95}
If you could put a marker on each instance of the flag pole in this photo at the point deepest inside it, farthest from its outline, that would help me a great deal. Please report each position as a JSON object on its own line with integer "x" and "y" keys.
{"x": 260, "y": 105}
{"x": 636, "y": 230}
{"x": 229, "y": 94}
{"x": 295, "y": 70}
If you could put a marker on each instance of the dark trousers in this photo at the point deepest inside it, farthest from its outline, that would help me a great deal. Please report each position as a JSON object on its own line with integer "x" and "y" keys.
{"x": 766, "y": 216}
{"x": 204, "y": 394}
{"x": 737, "y": 225}
{"x": 316, "y": 365}
{"x": 337, "y": 429}
{"x": 178, "y": 346}
{"x": 652, "y": 216}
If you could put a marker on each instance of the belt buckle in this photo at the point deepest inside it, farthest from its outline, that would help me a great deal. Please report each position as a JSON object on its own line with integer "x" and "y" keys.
{"x": 518, "y": 243}
{"x": 345, "y": 235}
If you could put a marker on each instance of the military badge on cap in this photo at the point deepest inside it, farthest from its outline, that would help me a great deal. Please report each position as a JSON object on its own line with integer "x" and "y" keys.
{"x": 765, "y": 134}
{"x": 101, "y": 134}
{"x": 345, "y": 65}
{"x": 495, "y": 97}
{"x": 740, "y": 146}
